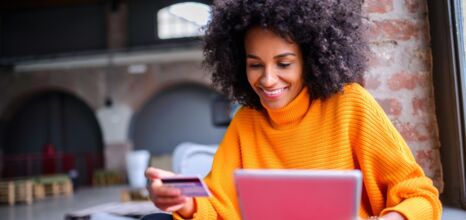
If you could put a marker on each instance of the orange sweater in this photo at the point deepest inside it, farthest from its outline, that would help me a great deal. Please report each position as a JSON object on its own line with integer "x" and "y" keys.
{"x": 347, "y": 131}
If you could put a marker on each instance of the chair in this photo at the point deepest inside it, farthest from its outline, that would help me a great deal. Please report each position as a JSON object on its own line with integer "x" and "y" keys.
{"x": 193, "y": 159}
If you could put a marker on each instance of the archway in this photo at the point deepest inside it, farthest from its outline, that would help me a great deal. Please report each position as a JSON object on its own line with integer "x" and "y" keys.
{"x": 52, "y": 132}
{"x": 179, "y": 113}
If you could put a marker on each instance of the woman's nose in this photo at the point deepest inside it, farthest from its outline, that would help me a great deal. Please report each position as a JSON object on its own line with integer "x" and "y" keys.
{"x": 268, "y": 78}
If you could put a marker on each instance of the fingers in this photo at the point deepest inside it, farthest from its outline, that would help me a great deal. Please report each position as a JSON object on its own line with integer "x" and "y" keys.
{"x": 154, "y": 173}
{"x": 165, "y": 198}
{"x": 163, "y": 191}
{"x": 169, "y": 203}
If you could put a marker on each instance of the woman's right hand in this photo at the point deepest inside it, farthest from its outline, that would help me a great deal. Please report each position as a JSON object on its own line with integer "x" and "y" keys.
{"x": 167, "y": 198}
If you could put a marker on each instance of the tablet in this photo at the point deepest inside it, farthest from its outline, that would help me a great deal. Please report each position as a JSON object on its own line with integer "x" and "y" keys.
{"x": 298, "y": 194}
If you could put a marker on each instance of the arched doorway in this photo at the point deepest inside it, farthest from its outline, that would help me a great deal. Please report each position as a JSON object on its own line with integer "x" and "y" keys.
{"x": 179, "y": 113}
{"x": 52, "y": 132}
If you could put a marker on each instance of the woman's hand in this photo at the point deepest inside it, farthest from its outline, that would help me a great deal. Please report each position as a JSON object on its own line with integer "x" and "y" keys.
{"x": 167, "y": 198}
{"x": 388, "y": 216}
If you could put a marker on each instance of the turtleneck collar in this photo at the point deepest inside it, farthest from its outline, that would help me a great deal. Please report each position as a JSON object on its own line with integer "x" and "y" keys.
{"x": 291, "y": 113}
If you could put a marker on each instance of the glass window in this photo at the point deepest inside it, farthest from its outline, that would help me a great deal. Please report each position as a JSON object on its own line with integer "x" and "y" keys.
{"x": 448, "y": 52}
{"x": 182, "y": 20}
{"x": 461, "y": 21}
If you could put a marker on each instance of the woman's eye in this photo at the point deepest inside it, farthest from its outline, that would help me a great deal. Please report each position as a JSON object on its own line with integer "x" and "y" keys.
{"x": 255, "y": 65}
{"x": 283, "y": 65}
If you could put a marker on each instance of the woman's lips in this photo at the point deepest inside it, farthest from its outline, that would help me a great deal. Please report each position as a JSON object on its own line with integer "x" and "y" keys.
{"x": 273, "y": 93}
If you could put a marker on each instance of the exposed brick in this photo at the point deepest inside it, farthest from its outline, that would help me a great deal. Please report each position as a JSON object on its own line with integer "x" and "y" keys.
{"x": 402, "y": 80}
{"x": 397, "y": 29}
{"x": 381, "y": 56}
{"x": 424, "y": 79}
{"x": 378, "y": 6}
{"x": 371, "y": 82}
{"x": 419, "y": 105}
{"x": 117, "y": 27}
{"x": 420, "y": 58}
{"x": 409, "y": 81}
{"x": 415, "y": 6}
{"x": 416, "y": 133}
{"x": 391, "y": 106}
{"x": 426, "y": 158}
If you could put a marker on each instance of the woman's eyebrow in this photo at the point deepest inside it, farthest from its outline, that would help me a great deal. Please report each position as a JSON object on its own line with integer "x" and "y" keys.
{"x": 284, "y": 55}
{"x": 252, "y": 56}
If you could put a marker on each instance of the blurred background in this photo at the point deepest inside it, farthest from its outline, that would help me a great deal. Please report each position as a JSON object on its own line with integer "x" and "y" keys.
{"x": 93, "y": 91}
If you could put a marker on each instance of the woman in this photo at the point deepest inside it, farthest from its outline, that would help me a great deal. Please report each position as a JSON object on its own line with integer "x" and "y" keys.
{"x": 294, "y": 65}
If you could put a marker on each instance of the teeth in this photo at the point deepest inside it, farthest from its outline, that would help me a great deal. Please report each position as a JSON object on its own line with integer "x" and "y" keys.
{"x": 273, "y": 92}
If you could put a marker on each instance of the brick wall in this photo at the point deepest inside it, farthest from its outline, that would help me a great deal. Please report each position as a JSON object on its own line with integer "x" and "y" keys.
{"x": 400, "y": 75}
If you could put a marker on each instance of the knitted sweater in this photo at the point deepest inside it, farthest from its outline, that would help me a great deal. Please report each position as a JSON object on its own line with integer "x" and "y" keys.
{"x": 347, "y": 131}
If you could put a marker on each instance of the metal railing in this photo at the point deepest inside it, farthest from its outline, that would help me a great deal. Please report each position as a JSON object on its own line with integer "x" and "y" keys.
{"x": 35, "y": 164}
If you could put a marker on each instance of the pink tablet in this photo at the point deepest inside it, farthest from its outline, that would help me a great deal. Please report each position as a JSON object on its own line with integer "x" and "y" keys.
{"x": 299, "y": 194}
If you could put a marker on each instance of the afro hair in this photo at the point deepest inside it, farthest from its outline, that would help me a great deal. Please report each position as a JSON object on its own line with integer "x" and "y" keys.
{"x": 328, "y": 32}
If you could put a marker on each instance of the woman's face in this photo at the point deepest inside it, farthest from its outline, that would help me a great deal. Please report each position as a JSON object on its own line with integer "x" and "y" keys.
{"x": 274, "y": 67}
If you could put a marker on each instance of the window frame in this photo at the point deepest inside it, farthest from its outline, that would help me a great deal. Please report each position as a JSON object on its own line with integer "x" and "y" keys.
{"x": 143, "y": 34}
{"x": 450, "y": 91}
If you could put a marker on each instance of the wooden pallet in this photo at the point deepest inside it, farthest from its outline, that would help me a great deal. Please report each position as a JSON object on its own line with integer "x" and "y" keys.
{"x": 39, "y": 191}
{"x": 107, "y": 178}
{"x": 7, "y": 192}
{"x": 54, "y": 186}
{"x": 13, "y": 191}
{"x": 134, "y": 195}
{"x": 23, "y": 191}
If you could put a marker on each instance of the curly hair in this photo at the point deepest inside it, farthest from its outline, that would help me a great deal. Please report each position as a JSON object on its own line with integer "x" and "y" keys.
{"x": 328, "y": 32}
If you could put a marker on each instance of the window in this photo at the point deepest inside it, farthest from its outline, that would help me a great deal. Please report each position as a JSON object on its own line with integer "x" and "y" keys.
{"x": 182, "y": 20}
{"x": 447, "y": 21}
{"x": 459, "y": 16}
{"x": 463, "y": 23}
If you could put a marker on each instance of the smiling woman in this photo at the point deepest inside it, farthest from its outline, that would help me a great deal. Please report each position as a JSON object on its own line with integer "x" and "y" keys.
{"x": 294, "y": 66}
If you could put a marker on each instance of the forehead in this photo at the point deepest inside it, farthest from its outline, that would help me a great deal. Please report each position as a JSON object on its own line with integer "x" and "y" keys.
{"x": 263, "y": 39}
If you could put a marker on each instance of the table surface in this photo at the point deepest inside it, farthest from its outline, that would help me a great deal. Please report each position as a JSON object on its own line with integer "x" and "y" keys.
{"x": 133, "y": 209}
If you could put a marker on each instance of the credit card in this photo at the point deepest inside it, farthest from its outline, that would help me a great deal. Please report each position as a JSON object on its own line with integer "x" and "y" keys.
{"x": 190, "y": 186}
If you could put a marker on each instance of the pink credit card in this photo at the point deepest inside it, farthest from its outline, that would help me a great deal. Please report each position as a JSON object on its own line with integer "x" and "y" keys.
{"x": 190, "y": 186}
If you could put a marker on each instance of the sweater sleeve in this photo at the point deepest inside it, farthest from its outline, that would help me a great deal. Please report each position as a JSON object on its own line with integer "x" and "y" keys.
{"x": 222, "y": 204}
{"x": 392, "y": 177}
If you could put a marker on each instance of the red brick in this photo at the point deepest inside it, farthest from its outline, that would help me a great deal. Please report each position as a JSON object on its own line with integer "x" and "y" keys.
{"x": 381, "y": 56}
{"x": 426, "y": 158}
{"x": 393, "y": 30}
{"x": 419, "y": 105}
{"x": 378, "y": 6}
{"x": 371, "y": 82}
{"x": 391, "y": 106}
{"x": 402, "y": 80}
{"x": 116, "y": 27}
{"x": 424, "y": 79}
{"x": 420, "y": 57}
{"x": 415, "y": 133}
{"x": 414, "y": 6}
